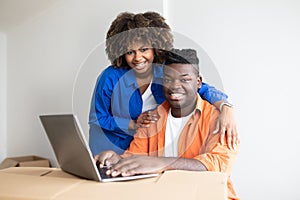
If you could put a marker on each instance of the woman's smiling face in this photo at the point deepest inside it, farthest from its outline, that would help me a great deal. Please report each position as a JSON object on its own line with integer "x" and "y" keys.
{"x": 140, "y": 58}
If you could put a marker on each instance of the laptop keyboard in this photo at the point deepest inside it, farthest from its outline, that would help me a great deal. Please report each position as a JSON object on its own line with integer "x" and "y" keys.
{"x": 103, "y": 174}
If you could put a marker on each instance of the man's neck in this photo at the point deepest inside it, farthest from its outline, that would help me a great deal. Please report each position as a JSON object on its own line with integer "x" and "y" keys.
{"x": 183, "y": 112}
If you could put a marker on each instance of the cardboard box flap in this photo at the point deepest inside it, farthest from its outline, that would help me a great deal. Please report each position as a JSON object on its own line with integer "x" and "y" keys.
{"x": 25, "y": 161}
{"x": 56, "y": 172}
{"x": 8, "y": 163}
{"x": 209, "y": 185}
{"x": 19, "y": 186}
{"x": 133, "y": 191}
{"x": 179, "y": 176}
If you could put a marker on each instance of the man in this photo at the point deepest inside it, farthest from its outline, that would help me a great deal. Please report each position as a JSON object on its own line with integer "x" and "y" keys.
{"x": 182, "y": 138}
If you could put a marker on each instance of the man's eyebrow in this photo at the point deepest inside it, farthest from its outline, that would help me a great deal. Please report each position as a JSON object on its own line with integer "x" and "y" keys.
{"x": 185, "y": 75}
{"x": 182, "y": 75}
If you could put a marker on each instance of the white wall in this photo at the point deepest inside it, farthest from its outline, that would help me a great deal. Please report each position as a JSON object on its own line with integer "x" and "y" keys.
{"x": 2, "y": 96}
{"x": 255, "y": 46}
{"x": 44, "y": 56}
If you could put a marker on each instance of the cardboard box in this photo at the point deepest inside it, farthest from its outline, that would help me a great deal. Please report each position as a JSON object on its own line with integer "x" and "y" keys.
{"x": 25, "y": 161}
{"x": 52, "y": 183}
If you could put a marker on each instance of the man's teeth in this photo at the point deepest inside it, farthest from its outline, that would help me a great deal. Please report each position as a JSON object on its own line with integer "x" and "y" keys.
{"x": 176, "y": 95}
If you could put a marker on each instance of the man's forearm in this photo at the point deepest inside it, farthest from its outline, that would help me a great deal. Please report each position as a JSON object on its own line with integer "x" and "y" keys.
{"x": 184, "y": 164}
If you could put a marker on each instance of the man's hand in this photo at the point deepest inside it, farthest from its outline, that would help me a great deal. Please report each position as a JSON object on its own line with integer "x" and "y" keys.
{"x": 226, "y": 125}
{"x": 138, "y": 165}
{"x": 107, "y": 158}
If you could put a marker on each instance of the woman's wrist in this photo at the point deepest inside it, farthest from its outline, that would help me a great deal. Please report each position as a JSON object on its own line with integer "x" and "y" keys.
{"x": 224, "y": 103}
{"x": 132, "y": 125}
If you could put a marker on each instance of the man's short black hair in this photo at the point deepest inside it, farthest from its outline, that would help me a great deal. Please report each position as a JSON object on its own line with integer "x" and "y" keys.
{"x": 183, "y": 56}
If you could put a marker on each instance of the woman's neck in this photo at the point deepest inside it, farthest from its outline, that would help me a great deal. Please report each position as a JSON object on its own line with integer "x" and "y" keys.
{"x": 144, "y": 81}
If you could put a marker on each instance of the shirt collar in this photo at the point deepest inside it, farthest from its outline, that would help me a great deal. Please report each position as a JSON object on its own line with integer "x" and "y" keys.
{"x": 199, "y": 103}
{"x": 129, "y": 79}
{"x": 198, "y": 109}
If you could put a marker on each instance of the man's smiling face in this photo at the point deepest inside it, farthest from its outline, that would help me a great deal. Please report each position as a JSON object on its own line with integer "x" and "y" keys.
{"x": 181, "y": 83}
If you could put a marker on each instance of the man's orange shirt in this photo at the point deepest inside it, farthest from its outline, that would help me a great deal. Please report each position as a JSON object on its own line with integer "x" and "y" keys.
{"x": 196, "y": 140}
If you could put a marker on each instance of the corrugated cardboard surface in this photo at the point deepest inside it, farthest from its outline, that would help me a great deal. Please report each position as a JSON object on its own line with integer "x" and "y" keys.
{"x": 52, "y": 183}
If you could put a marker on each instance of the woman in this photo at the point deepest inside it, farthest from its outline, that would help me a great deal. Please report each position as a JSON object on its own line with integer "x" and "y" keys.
{"x": 132, "y": 85}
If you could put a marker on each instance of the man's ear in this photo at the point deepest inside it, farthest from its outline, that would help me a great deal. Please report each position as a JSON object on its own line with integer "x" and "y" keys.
{"x": 199, "y": 81}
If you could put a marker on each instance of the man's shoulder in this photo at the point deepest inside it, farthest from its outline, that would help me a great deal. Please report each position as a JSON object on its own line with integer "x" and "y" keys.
{"x": 208, "y": 109}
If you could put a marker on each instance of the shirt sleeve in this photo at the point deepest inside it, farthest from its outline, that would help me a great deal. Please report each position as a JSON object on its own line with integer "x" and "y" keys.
{"x": 214, "y": 155}
{"x": 139, "y": 145}
{"x": 100, "y": 109}
{"x": 211, "y": 94}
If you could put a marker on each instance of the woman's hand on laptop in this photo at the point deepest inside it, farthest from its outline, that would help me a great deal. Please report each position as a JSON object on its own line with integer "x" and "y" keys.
{"x": 107, "y": 159}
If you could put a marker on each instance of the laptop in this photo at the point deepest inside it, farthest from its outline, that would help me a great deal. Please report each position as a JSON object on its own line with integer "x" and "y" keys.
{"x": 72, "y": 151}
